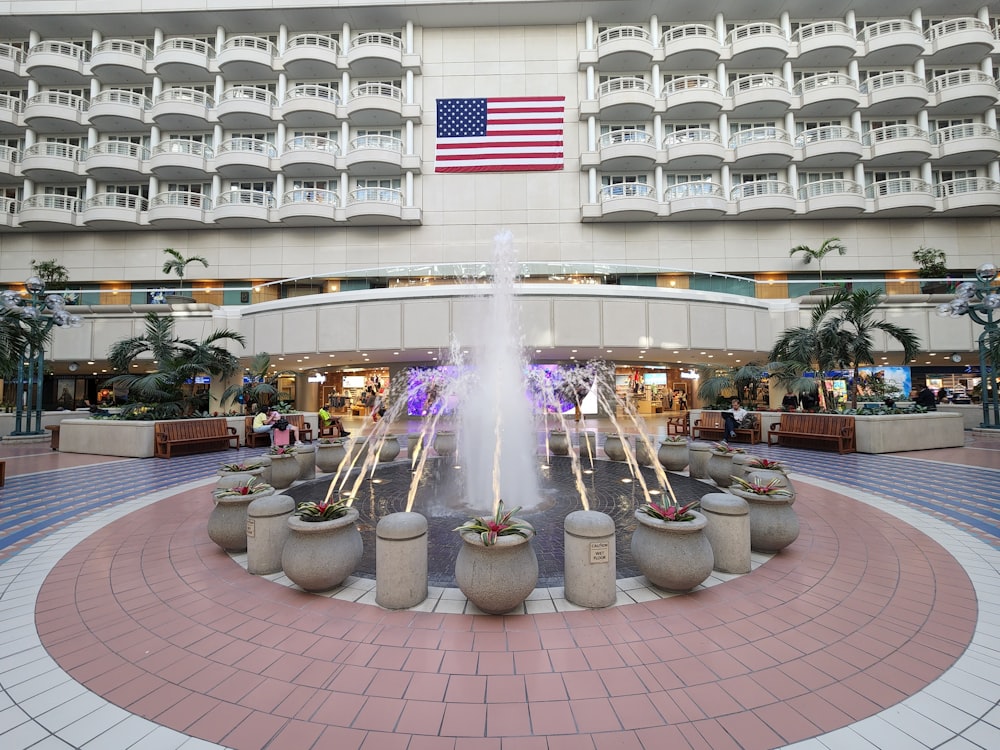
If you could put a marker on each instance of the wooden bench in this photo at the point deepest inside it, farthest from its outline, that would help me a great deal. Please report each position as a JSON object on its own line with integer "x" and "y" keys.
{"x": 195, "y": 435}
{"x": 253, "y": 439}
{"x": 303, "y": 429}
{"x": 679, "y": 425}
{"x": 806, "y": 430}
{"x": 711, "y": 426}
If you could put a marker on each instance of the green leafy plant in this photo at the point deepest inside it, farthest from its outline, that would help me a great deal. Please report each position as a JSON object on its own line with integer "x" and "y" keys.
{"x": 767, "y": 464}
{"x": 177, "y": 264}
{"x": 262, "y": 387}
{"x": 726, "y": 449}
{"x": 325, "y": 510}
{"x": 831, "y": 245}
{"x": 502, "y": 523}
{"x": 670, "y": 512}
{"x": 770, "y": 488}
{"x": 252, "y": 487}
{"x": 931, "y": 261}
{"x": 52, "y": 272}
{"x": 236, "y": 468}
{"x": 678, "y": 439}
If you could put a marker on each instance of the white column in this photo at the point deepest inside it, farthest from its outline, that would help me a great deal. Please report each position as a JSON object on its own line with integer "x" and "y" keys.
{"x": 408, "y": 94}
{"x": 591, "y": 81}
{"x": 727, "y": 182}
{"x": 851, "y": 20}
{"x": 657, "y": 81}
{"x": 216, "y": 189}
{"x": 991, "y": 118}
{"x": 856, "y": 121}
{"x": 923, "y": 121}
{"x": 588, "y": 33}
{"x": 279, "y": 187}
{"x": 658, "y": 131}
{"x": 30, "y": 137}
{"x": 983, "y": 14}
{"x": 926, "y": 174}
{"x": 859, "y": 174}
{"x": 408, "y": 38}
{"x": 218, "y": 89}
{"x": 724, "y": 128}
{"x": 217, "y": 136}
{"x": 220, "y": 38}
{"x": 91, "y": 137}
{"x": 345, "y": 87}
{"x": 994, "y": 170}
{"x": 282, "y": 88}
{"x": 658, "y": 182}
{"x": 786, "y": 24}
{"x": 345, "y": 38}
{"x": 157, "y": 87}
{"x": 720, "y": 74}
{"x": 32, "y": 87}
{"x": 157, "y": 39}
{"x": 987, "y": 66}
{"x": 281, "y": 137}
{"x": 282, "y": 38}
{"x": 793, "y": 180}
{"x": 720, "y": 28}
{"x": 592, "y": 185}
{"x": 154, "y": 186}
{"x": 917, "y": 17}
{"x": 854, "y": 72}
{"x": 33, "y": 38}
{"x": 154, "y": 136}
{"x": 343, "y": 189}
{"x": 786, "y": 73}
{"x": 27, "y": 189}
{"x": 408, "y": 195}
{"x": 408, "y": 146}
{"x": 345, "y": 137}
{"x": 592, "y": 133}
{"x": 91, "y": 189}
{"x": 95, "y": 87}
{"x": 654, "y": 31}
{"x": 790, "y": 124}
{"x": 95, "y": 39}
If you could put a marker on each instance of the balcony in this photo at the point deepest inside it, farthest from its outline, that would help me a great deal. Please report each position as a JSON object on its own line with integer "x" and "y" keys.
{"x": 962, "y": 92}
{"x": 181, "y": 59}
{"x": 971, "y": 196}
{"x": 831, "y": 146}
{"x": 11, "y": 111}
{"x": 309, "y": 207}
{"x": 11, "y": 64}
{"x": 180, "y": 210}
{"x": 827, "y": 95}
{"x": 45, "y": 212}
{"x": 896, "y": 145}
{"x": 311, "y": 106}
{"x": 115, "y": 110}
{"x": 695, "y": 149}
{"x": 376, "y": 104}
{"x": 247, "y": 58}
{"x": 904, "y": 196}
{"x": 629, "y": 201}
{"x": 310, "y": 156}
{"x": 121, "y": 61}
{"x": 691, "y": 46}
{"x": 759, "y": 95}
{"x": 114, "y": 211}
{"x": 624, "y": 98}
{"x": 757, "y": 45}
{"x": 10, "y": 165}
{"x": 832, "y": 199}
{"x": 310, "y": 56}
{"x": 10, "y": 209}
{"x": 693, "y": 201}
{"x": 958, "y": 41}
{"x": 761, "y": 148}
{"x": 375, "y": 54}
{"x": 626, "y": 150}
{"x": 116, "y": 161}
{"x": 246, "y": 158}
{"x": 51, "y": 162}
{"x": 378, "y": 155}
{"x": 247, "y": 107}
{"x": 693, "y": 97}
{"x": 970, "y": 144}
{"x": 183, "y": 109}
{"x": 890, "y": 43}
{"x": 60, "y": 63}
{"x": 244, "y": 208}
{"x": 181, "y": 159}
{"x": 621, "y": 48}
{"x": 763, "y": 199}
{"x": 56, "y": 112}
{"x": 375, "y": 206}
{"x": 825, "y": 44}
{"x": 894, "y": 94}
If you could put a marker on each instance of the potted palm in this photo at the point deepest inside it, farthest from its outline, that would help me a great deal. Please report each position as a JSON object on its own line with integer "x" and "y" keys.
{"x": 177, "y": 264}
{"x": 669, "y": 545}
{"x": 773, "y": 523}
{"x": 324, "y": 545}
{"x": 932, "y": 266}
{"x": 809, "y": 254}
{"x": 227, "y": 523}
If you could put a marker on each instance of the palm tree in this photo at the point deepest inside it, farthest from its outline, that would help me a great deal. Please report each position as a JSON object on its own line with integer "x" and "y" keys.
{"x": 177, "y": 264}
{"x": 163, "y": 393}
{"x": 743, "y": 382}
{"x": 262, "y": 388}
{"x": 15, "y": 338}
{"x": 833, "y": 244}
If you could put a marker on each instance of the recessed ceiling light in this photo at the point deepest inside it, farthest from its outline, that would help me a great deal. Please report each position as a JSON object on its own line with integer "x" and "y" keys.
{"x": 573, "y": 350}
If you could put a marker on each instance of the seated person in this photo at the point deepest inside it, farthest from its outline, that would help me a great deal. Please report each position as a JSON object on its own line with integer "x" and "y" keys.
{"x": 327, "y": 420}
{"x": 733, "y": 418}
{"x": 265, "y": 419}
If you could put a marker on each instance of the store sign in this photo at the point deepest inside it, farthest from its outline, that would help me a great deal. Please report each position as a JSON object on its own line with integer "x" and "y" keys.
{"x": 317, "y": 378}
{"x": 689, "y": 374}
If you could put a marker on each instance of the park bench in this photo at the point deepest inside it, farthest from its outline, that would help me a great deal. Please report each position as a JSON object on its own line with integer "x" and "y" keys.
{"x": 253, "y": 439}
{"x": 303, "y": 429}
{"x": 711, "y": 426}
{"x": 194, "y": 435}
{"x": 806, "y": 430}
{"x": 679, "y": 425}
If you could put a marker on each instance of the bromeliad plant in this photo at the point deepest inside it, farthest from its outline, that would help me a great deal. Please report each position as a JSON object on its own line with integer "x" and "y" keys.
{"x": 238, "y": 468}
{"x": 678, "y": 439}
{"x": 326, "y": 510}
{"x": 502, "y": 523}
{"x": 252, "y": 487}
{"x": 726, "y": 449}
{"x": 282, "y": 450}
{"x": 669, "y": 511}
{"x": 770, "y": 488}
{"x": 766, "y": 464}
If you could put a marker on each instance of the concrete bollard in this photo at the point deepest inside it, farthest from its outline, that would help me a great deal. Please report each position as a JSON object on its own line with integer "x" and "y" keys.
{"x": 698, "y": 455}
{"x": 306, "y": 457}
{"x": 267, "y": 530}
{"x": 728, "y": 531}
{"x": 590, "y": 566}
{"x": 401, "y": 560}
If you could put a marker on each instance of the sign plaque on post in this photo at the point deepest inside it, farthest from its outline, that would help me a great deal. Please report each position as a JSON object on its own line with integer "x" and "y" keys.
{"x": 599, "y": 553}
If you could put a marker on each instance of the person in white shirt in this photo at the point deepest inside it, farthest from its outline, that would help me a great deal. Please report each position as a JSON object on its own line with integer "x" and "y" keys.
{"x": 733, "y": 417}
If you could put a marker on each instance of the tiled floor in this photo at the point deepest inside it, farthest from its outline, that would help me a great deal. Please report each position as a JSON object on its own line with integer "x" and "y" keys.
{"x": 877, "y": 628}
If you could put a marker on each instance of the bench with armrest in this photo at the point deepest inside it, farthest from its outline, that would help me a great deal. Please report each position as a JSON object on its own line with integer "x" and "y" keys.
{"x": 679, "y": 425}
{"x": 807, "y": 430}
{"x": 711, "y": 426}
{"x": 303, "y": 429}
{"x": 193, "y": 436}
{"x": 253, "y": 439}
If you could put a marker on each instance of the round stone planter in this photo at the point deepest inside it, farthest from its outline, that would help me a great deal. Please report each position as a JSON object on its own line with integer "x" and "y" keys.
{"x": 773, "y": 522}
{"x": 412, "y": 441}
{"x": 499, "y": 577}
{"x": 644, "y": 452}
{"x": 445, "y": 443}
{"x": 559, "y": 442}
{"x": 588, "y": 445}
{"x": 389, "y": 450}
{"x": 236, "y": 478}
{"x": 257, "y": 472}
{"x": 698, "y": 454}
{"x": 320, "y": 555}
{"x": 673, "y": 456}
{"x": 329, "y": 456}
{"x": 613, "y": 448}
{"x": 763, "y": 476}
{"x": 720, "y": 468}
{"x": 740, "y": 461}
{"x": 305, "y": 456}
{"x": 284, "y": 470}
{"x": 227, "y": 523}
{"x": 674, "y": 555}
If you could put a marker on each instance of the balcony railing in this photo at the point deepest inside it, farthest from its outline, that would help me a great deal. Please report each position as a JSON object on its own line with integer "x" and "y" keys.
{"x": 687, "y": 83}
{"x": 750, "y": 30}
{"x": 312, "y": 143}
{"x": 183, "y": 146}
{"x": 263, "y": 198}
{"x": 314, "y": 40}
{"x": 756, "y": 81}
{"x": 821, "y": 28}
{"x": 61, "y": 99}
{"x": 118, "y": 148}
{"x": 10, "y": 52}
{"x": 892, "y": 133}
{"x": 311, "y": 195}
{"x": 692, "y": 135}
{"x": 66, "y": 49}
{"x": 898, "y": 186}
{"x": 953, "y": 26}
{"x": 249, "y": 93}
{"x": 246, "y": 42}
{"x": 965, "y": 185}
{"x": 377, "y": 195}
{"x": 53, "y": 202}
{"x": 754, "y": 135}
{"x": 9, "y": 205}
{"x": 313, "y": 91}
{"x": 888, "y": 80}
{"x": 623, "y": 32}
{"x": 625, "y": 83}
{"x": 248, "y": 146}
{"x": 118, "y": 200}
{"x": 957, "y": 78}
{"x": 760, "y": 188}
{"x": 55, "y": 150}
{"x": 183, "y": 44}
{"x": 182, "y": 198}
{"x": 689, "y": 30}
{"x": 627, "y": 190}
{"x": 625, "y": 135}
{"x": 821, "y": 80}
{"x": 120, "y": 96}
{"x": 829, "y": 187}
{"x": 124, "y": 47}
{"x": 695, "y": 189}
{"x": 377, "y": 38}
{"x": 963, "y": 132}
{"x": 887, "y": 27}
{"x": 381, "y": 142}
{"x": 184, "y": 95}
{"x": 10, "y": 154}
{"x": 826, "y": 133}
{"x": 13, "y": 103}
{"x": 386, "y": 90}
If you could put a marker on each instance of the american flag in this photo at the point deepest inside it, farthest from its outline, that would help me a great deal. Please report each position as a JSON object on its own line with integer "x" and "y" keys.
{"x": 500, "y": 134}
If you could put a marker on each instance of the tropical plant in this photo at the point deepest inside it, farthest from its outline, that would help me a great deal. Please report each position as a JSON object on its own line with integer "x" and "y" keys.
{"x": 502, "y": 523}
{"x": 52, "y": 273}
{"x": 166, "y": 393}
{"x": 325, "y": 510}
{"x": 771, "y": 488}
{"x": 831, "y": 245}
{"x": 282, "y": 450}
{"x": 251, "y": 487}
{"x": 681, "y": 439}
{"x": 726, "y": 449}
{"x": 669, "y": 512}
{"x": 16, "y": 336}
{"x": 766, "y": 464}
{"x": 177, "y": 264}
{"x": 262, "y": 387}
{"x": 241, "y": 467}
{"x": 744, "y": 382}
{"x": 931, "y": 261}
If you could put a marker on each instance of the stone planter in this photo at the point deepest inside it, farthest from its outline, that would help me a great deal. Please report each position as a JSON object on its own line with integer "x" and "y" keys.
{"x": 389, "y": 450}
{"x": 412, "y": 441}
{"x": 613, "y": 448}
{"x": 720, "y": 468}
{"x": 284, "y": 470}
{"x": 698, "y": 454}
{"x": 559, "y": 443}
{"x": 329, "y": 456}
{"x": 740, "y": 461}
{"x": 674, "y": 555}
{"x": 305, "y": 456}
{"x": 645, "y": 455}
{"x": 227, "y": 523}
{"x": 588, "y": 445}
{"x": 320, "y": 555}
{"x": 445, "y": 443}
{"x": 499, "y": 577}
{"x": 763, "y": 476}
{"x": 258, "y": 472}
{"x": 773, "y": 522}
{"x": 673, "y": 456}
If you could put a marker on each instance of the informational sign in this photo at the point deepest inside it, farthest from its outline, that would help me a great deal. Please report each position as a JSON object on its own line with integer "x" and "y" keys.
{"x": 600, "y": 552}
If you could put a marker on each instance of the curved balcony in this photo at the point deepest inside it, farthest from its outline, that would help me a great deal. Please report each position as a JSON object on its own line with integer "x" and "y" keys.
{"x": 374, "y": 155}
{"x": 893, "y": 94}
{"x": 763, "y": 199}
{"x": 309, "y": 207}
{"x": 311, "y": 105}
{"x": 116, "y": 110}
{"x": 181, "y": 59}
{"x": 49, "y": 161}
{"x": 627, "y": 150}
{"x": 971, "y": 196}
{"x": 904, "y": 196}
{"x": 311, "y": 56}
{"x": 244, "y": 208}
{"x": 177, "y": 209}
{"x": 693, "y": 97}
{"x": 695, "y": 149}
{"x": 379, "y": 206}
{"x": 626, "y": 47}
{"x": 896, "y": 145}
{"x": 895, "y": 42}
{"x": 11, "y": 114}
{"x": 824, "y": 44}
{"x": 626, "y": 98}
{"x": 247, "y": 58}
{"x": 375, "y": 103}
{"x": 114, "y": 211}
{"x": 58, "y": 62}
{"x": 50, "y": 212}
{"x": 183, "y": 109}
{"x": 181, "y": 159}
{"x": 10, "y": 164}
{"x": 827, "y": 95}
{"x": 114, "y": 161}
{"x": 247, "y": 107}
{"x": 830, "y": 146}
{"x": 962, "y": 92}
{"x": 761, "y": 148}
{"x": 832, "y": 199}
{"x": 958, "y": 41}
{"x": 56, "y": 112}
{"x": 691, "y": 46}
{"x": 121, "y": 61}
{"x": 11, "y": 64}
{"x": 630, "y": 201}
{"x": 310, "y": 156}
{"x": 973, "y": 143}
{"x": 246, "y": 157}
{"x": 760, "y": 95}
{"x": 10, "y": 210}
{"x": 375, "y": 54}
{"x": 695, "y": 200}
{"x": 757, "y": 45}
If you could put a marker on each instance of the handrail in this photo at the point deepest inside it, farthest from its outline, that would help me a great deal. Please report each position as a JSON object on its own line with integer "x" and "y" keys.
{"x": 893, "y": 78}
{"x": 826, "y": 133}
{"x": 322, "y": 41}
{"x": 9, "y": 205}
{"x": 829, "y": 187}
{"x": 752, "y": 30}
{"x": 887, "y": 27}
{"x": 965, "y": 130}
{"x": 313, "y": 91}
{"x": 897, "y": 186}
{"x": 376, "y": 88}
{"x": 262, "y": 198}
{"x": 956, "y": 78}
{"x": 60, "y": 98}
{"x": 55, "y": 150}
{"x": 756, "y": 81}
{"x": 118, "y": 148}
{"x": 249, "y": 93}
{"x": 954, "y": 26}
{"x": 123, "y": 46}
{"x": 57, "y": 202}
{"x": 623, "y": 32}
{"x": 11, "y": 102}
{"x": 248, "y": 41}
{"x": 312, "y": 143}
{"x": 759, "y": 188}
{"x": 67, "y": 49}
{"x": 310, "y": 195}
{"x": 10, "y": 154}
{"x": 118, "y": 200}
{"x": 381, "y": 142}
{"x": 183, "y": 198}
{"x": 820, "y": 80}
{"x": 624, "y": 83}
{"x": 892, "y": 133}
{"x": 688, "y": 83}
{"x": 692, "y": 135}
{"x": 121, "y": 96}
{"x": 624, "y": 135}
{"x": 183, "y": 146}
{"x": 693, "y": 189}
{"x": 377, "y": 195}
{"x": 687, "y": 30}
{"x": 378, "y": 38}
{"x": 754, "y": 135}
{"x": 627, "y": 190}
{"x": 10, "y": 52}
{"x": 820, "y": 28}
{"x": 184, "y": 44}
{"x": 248, "y": 146}
{"x": 181, "y": 93}
{"x": 965, "y": 185}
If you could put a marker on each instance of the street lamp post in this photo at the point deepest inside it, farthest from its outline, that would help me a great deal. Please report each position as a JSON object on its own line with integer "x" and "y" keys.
{"x": 37, "y": 314}
{"x": 980, "y": 300}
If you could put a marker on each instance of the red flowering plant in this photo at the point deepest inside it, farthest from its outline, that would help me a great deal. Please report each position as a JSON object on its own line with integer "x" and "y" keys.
{"x": 726, "y": 449}
{"x": 325, "y": 510}
{"x": 766, "y": 464}
{"x": 772, "y": 487}
{"x": 502, "y": 523}
{"x": 669, "y": 511}
{"x": 251, "y": 487}
{"x": 241, "y": 467}
{"x": 282, "y": 450}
